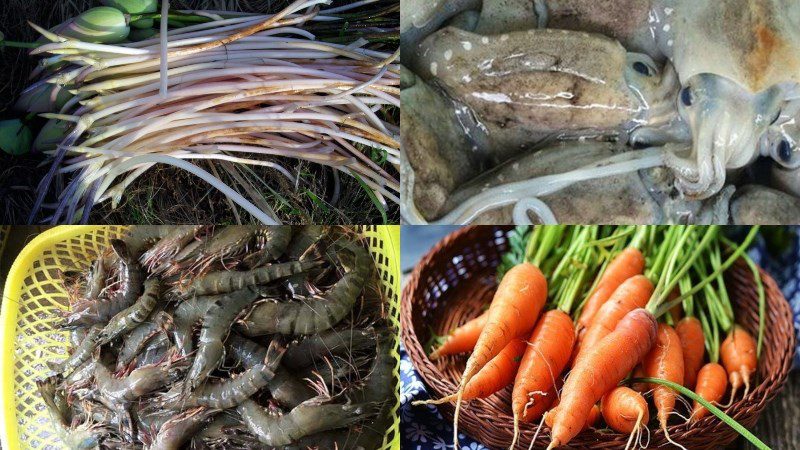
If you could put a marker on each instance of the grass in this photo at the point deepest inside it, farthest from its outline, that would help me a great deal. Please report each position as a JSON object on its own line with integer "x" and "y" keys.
{"x": 167, "y": 195}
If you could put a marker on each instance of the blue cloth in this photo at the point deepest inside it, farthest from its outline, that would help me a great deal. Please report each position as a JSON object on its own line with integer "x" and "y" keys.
{"x": 423, "y": 428}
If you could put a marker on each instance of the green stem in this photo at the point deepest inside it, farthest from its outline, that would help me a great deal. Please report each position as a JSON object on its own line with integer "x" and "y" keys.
{"x": 713, "y": 409}
{"x": 185, "y": 18}
{"x": 728, "y": 262}
{"x": 762, "y": 299}
{"x": 15, "y": 44}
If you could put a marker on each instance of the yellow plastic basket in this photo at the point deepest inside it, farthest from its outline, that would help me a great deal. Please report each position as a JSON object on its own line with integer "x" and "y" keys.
{"x": 34, "y": 293}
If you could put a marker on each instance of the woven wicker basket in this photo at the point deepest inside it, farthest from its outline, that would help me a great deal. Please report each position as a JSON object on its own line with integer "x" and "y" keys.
{"x": 453, "y": 282}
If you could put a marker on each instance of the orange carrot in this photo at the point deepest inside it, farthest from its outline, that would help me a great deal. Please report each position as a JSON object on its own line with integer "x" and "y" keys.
{"x": 462, "y": 339}
{"x": 514, "y": 311}
{"x": 690, "y": 332}
{"x": 625, "y": 410}
{"x": 738, "y": 353}
{"x": 495, "y": 375}
{"x": 594, "y": 416}
{"x": 591, "y": 419}
{"x": 665, "y": 361}
{"x": 641, "y": 388}
{"x": 602, "y": 367}
{"x": 628, "y": 263}
{"x": 545, "y": 358}
{"x": 712, "y": 382}
{"x": 631, "y": 294}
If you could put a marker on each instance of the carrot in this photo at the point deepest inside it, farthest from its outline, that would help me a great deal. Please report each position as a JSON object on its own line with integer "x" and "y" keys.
{"x": 591, "y": 419}
{"x": 495, "y": 375}
{"x": 547, "y": 355}
{"x": 712, "y": 382}
{"x": 665, "y": 361}
{"x": 738, "y": 353}
{"x": 628, "y": 263}
{"x": 641, "y": 388}
{"x": 625, "y": 411}
{"x": 631, "y": 294}
{"x": 462, "y": 339}
{"x": 601, "y": 368}
{"x": 690, "y": 332}
{"x": 515, "y": 308}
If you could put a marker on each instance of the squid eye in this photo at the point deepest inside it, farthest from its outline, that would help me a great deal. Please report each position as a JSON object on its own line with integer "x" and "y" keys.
{"x": 686, "y": 97}
{"x": 641, "y": 68}
{"x": 785, "y": 152}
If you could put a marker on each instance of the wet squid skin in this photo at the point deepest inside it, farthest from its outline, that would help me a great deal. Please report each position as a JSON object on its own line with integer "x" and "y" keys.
{"x": 736, "y": 63}
{"x": 167, "y": 347}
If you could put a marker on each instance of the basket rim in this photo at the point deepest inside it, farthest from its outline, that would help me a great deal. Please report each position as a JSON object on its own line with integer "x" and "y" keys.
{"x": 9, "y": 428}
{"x": 414, "y": 346}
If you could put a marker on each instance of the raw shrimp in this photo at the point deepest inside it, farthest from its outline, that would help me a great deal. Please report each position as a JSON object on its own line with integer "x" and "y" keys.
{"x": 155, "y": 351}
{"x": 138, "y": 239}
{"x": 186, "y": 315}
{"x": 129, "y": 318}
{"x": 85, "y": 436}
{"x": 234, "y": 391}
{"x": 378, "y": 386}
{"x": 229, "y": 281}
{"x": 317, "y": 315}
{"x": 284, "y": 387}
{"x": 157, "y": 258}
{"x": 139, "y": 382}
{"x": 131, "y": 279}
{"x": 303, "y": 240}
{"x": 271, "y": 243}
{"x": 327, "y": 343}
{"x": 228, "y": 243}
{"x": 80, "y": 355}
{"x": 178, "y": 430}
{"x": 96, "y": 280}
{"x": 313, "y": 416}
{"x": 216, "y": 322}
{"x": 136, "y": 340}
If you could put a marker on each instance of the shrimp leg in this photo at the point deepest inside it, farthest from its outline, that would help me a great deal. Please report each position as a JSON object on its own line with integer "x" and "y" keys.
{"x": 317, "y": 315}
{"x": 229, "y": 281}
{"x": 271, "y": 243}
{"x": 234, "y": 391}
{"x": 216, "y": 322}
{"x": 80, "y": 355}
{"x": 168, "y": 247}
{"x": 86, "y": 436}
{"x": 129, "y": 318}
{"x": 275, "y": 429}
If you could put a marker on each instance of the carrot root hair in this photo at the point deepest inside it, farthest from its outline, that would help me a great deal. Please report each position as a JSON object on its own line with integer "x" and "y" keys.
{"x": 636, "y": 431}
{"x": 536, "y": 434}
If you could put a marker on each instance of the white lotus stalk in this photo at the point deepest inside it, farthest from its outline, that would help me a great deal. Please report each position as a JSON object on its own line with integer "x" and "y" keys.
{"x": 241, "y": 88}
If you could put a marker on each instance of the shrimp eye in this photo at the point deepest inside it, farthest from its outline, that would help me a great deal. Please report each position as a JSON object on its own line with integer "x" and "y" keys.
{"x": 641, "y": 68}
{"x": 785, "y": 152}
{"x": 686, "y": 97}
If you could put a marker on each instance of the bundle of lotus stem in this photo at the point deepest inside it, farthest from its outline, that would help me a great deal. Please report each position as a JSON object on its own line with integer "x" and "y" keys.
{"x": 234, "y": 88}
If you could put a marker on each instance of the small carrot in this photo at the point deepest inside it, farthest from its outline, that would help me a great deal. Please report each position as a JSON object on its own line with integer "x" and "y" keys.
{"x": 738, "y": 353}
{"x": 495, "y": 375}
{"x": 631, "y": 294}
{"x": 665, "y": 361}
{"x": 600, "y": 370}
{"x": 514, "y": 311}
{"x": 625, "y": 411}
{"x": 462, "y": 339}
{"x": 547, "y": 355}
{"x": 628, "y": 263}
{"x": 690, "y": 332}
{"x": 712, "y": 382}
